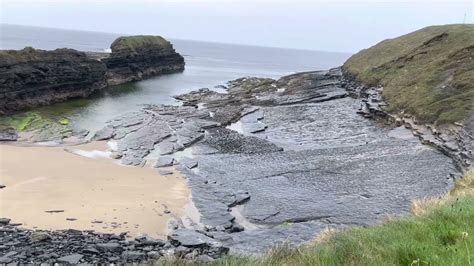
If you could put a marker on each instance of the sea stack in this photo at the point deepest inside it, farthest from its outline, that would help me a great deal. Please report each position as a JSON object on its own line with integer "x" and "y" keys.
{"x": 139, "y": 57}
{"x": 32, "y": 77}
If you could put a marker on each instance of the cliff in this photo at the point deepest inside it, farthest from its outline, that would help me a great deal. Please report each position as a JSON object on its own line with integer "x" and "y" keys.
{"x": 425, "y": 81}
{"x": 32, "y": 77}
{"x": 138, "y": 57}
{"x": 428, "y": 73}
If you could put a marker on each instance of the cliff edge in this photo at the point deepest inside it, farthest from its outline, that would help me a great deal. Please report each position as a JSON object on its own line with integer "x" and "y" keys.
{"x": 32, "y": 77}
{"x": 423, "y": 80}
{"x": 428, "y": 74}
{"x": 138, "y": 57}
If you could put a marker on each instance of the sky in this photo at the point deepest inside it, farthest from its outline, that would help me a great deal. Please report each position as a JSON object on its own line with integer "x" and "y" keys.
{"x": 338, "y": 25}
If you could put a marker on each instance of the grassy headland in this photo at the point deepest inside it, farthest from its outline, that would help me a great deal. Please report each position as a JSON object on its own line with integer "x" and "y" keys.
{"x": 428, "y": 73}
{"x": 135, "y": 42}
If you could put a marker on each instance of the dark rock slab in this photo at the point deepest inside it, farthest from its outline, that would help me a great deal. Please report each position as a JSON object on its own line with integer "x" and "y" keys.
{"x": 8, "y": 134}
{"x": 108, "y": 246}
{"x": 4, "y": 221}
{"x": 191, "y": 238}
{"x": 70, "y": 259}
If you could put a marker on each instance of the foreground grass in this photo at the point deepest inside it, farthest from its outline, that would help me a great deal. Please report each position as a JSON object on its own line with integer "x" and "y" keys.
{"x": 440, "y": 232}
{"x": 428, "y": 73}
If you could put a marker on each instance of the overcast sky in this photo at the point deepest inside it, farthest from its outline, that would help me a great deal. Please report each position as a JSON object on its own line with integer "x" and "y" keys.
{"x": 345, "y": 26}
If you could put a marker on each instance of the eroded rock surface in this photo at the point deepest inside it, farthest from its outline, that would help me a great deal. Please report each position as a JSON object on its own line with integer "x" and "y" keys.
{"x": 280, "y": 160}
{"x": 269, "y": 162}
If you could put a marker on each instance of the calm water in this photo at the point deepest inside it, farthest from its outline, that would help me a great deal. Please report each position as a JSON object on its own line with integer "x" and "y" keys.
{"x": 207, "y": 65}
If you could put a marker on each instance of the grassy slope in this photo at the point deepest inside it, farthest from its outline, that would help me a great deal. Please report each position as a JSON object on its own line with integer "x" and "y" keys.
{"x": 428, "y": 73}
{"x": 441, "y": 232}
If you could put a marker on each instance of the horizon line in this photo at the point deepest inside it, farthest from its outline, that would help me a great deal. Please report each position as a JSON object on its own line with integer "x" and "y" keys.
{"x": 180, "y": 39}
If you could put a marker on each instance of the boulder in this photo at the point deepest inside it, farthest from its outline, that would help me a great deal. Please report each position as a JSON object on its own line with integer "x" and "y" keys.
{"x": 4, "y": 221}
{"x": 191, "y": 238}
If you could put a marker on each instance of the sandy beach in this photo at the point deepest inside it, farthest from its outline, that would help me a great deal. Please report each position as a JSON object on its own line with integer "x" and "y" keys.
{"x": 51, "y": 188}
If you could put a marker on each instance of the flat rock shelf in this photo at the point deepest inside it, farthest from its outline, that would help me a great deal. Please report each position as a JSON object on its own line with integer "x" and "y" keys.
{"x": 270, "y": 162}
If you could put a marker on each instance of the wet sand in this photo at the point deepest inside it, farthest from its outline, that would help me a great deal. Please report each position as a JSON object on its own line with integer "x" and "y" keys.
{"x": 93, "y": 193}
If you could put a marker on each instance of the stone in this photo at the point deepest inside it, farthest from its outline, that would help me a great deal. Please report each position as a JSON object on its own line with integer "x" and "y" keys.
{"x": 54, "y": 211}
{"x": 116, "y": 155}
{"x": 90, "y": 250}
{"x": 165, "y": 172}
{"x": 2, "y": 186}
{"x": 8, "y": 134}
{"x": 104, "y": 134}
{"x": 112, "y": 247}
{"x": 70, "y": 259}
{"x": 4, "y": 221}
{"x": 154, "y": 255}
{"x": 204, "y": 259}
{"x": 164, "y": 161}
{"x": 236, "y": 228}
{"x": 133, "y": 255}
{"x": 39, "y": 237}
{"x": 190, "y": 238}
{"x": 190, "y": 163}
{"x": 5, "y": 260}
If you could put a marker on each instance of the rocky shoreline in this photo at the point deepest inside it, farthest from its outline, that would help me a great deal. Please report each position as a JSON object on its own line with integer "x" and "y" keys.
{"x": 269, "y": 162}
{"x": 22, "y": 246}
{"x": 31, "y": 77}
{"x": 456, "y": 141}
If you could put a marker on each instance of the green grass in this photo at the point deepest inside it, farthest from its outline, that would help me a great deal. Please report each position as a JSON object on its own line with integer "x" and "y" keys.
{"x": 440, "y": 232}
{"x": 428, "y": 73}
{"x": 135, "y": 42}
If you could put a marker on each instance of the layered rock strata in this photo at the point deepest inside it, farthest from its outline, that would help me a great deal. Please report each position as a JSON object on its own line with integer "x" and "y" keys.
{"x": 32, "y": 77}
{"x": 140, "y": 57}
{"x": 455, "y": 140}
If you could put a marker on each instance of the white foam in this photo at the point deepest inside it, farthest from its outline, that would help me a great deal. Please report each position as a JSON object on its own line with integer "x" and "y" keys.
{"x": 113, "y": 146}
{"x": 92, "y": 154}
{"x": 237, "y": 126}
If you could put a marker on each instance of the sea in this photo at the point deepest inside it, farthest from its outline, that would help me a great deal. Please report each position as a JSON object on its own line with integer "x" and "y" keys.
{"x": 207, "y": 65}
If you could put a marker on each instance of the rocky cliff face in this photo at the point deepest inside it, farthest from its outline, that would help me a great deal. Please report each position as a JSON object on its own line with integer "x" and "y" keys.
{"x": 31, "y": 77}
{"x": 138, "y": 57}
